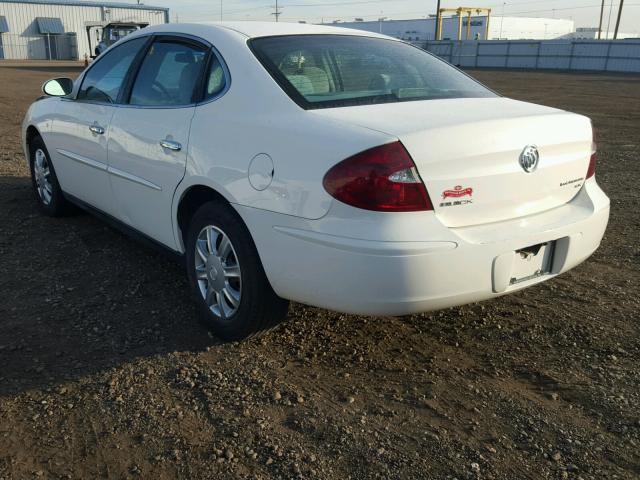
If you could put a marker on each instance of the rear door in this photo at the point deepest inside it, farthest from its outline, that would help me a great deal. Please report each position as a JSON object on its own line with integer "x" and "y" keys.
{"x": 80, "y": 128}
{"x": 149, "y": 135}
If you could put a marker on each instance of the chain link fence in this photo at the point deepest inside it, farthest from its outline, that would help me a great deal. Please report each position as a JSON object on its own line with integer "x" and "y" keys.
{"x": 39, "y": 47}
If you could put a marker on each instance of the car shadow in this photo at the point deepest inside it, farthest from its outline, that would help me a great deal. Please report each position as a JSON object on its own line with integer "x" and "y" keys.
{"x": 77, "y": 296}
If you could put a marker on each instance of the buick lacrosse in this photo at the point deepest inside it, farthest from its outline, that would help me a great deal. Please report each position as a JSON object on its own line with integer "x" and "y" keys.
{"x": 333, "y": 167}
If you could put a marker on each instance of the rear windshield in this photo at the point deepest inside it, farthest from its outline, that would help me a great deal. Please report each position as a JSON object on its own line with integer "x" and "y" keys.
{"x": 322, "y": 71}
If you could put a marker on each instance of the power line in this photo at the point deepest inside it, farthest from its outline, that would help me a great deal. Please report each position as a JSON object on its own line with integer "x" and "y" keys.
{"x": 280, "y": 7}
{"x": 278, "y": 13}
{"x": 318, "y": 4}
{"x": 559, "y": 9}
{"x": 521, "y": 12}
{"x": 609, "y": 19}
{"x": 365, "y": 2}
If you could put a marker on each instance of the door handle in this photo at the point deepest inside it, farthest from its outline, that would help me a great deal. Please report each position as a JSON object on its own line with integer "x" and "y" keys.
{"x": 171, "y": 145}
{"x": 97, "y": 129}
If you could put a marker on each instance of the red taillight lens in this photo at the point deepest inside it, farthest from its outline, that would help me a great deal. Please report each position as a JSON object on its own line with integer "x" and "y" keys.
{"x": 382, "y": 178}
{"x": 591, "y": 171}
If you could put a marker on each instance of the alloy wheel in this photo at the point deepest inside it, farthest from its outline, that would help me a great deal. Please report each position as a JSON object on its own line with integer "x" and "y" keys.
{"x": 218, "y": 272}
{"x": 42, "y": 174}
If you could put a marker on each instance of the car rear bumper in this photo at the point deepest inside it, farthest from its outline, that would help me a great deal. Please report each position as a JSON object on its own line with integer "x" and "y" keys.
{"x": 394, "y": 264}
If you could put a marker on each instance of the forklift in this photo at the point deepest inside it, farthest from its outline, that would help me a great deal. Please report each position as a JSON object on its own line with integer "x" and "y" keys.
{"x": 108, "y": 33}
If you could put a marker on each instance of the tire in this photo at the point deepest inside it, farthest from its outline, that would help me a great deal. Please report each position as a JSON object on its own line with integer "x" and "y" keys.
{"x": 45, "y": 183}
{"x": 232, "y": 292}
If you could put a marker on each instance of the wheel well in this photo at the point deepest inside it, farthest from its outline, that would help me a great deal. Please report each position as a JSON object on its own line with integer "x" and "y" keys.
{"x": 193, "y": 199}
{"x": 32, "y": 133}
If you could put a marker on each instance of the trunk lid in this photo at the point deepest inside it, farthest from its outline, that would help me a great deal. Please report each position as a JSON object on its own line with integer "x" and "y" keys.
{"x": 468, "y": 151}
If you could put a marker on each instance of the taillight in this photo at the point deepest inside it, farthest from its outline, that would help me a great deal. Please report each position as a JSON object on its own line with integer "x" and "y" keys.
{"x": 383, "y": 178}
{"x": 591, "y": 171}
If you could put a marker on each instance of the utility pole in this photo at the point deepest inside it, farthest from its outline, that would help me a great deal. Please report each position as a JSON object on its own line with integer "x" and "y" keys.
{"x": 600, "y": 24}
{"x": 615, "y": 32}
{"x": 277, "y": 13}
{"x": 220, "y": 10}
{"x": 437, "y": 21}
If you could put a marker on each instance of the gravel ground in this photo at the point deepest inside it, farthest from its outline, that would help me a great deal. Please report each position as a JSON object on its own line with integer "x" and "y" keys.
{"x": 104, "y": 373}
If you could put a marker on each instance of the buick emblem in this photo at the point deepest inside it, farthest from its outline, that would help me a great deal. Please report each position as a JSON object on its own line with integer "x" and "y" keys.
{"x": 213, "y": 273}
{"x": 529, "y": 158}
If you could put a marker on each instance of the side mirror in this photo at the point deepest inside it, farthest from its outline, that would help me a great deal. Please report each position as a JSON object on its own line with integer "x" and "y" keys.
{"x": 58, "y": 87}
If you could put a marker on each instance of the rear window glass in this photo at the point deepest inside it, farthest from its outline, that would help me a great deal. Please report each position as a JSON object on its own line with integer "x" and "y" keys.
{"x": 321, "y": 71}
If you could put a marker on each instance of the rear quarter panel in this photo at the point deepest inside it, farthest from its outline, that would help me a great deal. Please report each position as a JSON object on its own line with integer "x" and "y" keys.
{"x": 301, "y": 147}
{"x": 254, "y": 117}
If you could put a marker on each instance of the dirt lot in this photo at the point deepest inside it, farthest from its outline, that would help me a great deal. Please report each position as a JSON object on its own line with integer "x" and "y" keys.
{"x": 105, "y": 374}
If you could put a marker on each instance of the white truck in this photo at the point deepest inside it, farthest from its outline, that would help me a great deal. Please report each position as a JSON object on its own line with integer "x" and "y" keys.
{"x": 107, "y": 33}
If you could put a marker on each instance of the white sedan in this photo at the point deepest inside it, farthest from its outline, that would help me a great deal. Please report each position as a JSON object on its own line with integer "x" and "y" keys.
{"x": 333, "y": 167}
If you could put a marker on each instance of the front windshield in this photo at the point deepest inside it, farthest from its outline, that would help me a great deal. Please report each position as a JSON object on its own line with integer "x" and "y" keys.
{"x": 321, "y": 71}
{"x": 116, "y": 34}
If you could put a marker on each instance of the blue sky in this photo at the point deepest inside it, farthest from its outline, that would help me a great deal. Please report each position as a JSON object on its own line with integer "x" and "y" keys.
{"x": 585, "y": 13}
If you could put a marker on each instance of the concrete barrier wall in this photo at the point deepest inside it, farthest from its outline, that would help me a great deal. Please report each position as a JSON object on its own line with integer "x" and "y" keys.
{"x": 591, "y": 55}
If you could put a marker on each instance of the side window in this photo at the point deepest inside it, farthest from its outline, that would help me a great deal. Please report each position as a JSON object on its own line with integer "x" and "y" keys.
{"x": 216, "y": 80}
{"x": 169, "y": 74}
{"x": 104, "y": 80}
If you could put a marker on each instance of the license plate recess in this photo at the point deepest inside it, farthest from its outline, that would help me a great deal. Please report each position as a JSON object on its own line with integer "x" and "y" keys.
{"x": 531, "y": 262}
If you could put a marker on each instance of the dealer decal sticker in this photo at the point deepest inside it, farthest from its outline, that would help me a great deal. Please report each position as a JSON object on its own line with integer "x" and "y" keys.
{"x": 457, "y": 192}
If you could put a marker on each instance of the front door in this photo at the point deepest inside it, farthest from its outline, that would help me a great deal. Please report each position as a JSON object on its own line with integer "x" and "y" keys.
{"x": 77, "y": 141}
{"x": 77, "y": 144}
{"x": 149, "y": 137}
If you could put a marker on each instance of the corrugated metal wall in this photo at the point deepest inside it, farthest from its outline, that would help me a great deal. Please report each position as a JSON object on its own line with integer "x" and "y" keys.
{"x": 23, "y": 28}
{"x": 594, "y": 55}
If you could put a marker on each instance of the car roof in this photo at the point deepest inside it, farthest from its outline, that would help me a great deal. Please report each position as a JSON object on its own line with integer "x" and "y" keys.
{"x": 267, "y": 29}
{"x": 261, "y": 29}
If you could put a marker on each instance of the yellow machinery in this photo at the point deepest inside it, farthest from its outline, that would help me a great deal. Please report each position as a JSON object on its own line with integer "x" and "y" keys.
{"x": 466, "y": 11}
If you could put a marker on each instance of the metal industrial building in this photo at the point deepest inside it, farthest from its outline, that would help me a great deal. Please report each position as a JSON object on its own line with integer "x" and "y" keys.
{"x": 56, "y": 29}
{"x": 500, "y": 28}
